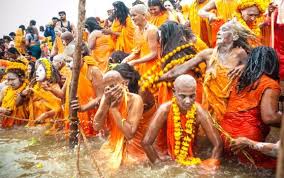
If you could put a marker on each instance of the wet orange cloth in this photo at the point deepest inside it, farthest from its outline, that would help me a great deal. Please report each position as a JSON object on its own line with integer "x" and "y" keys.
{"x": 159, "y": 19}
{"x": 125, "y": 41}
{"x": 19, "y": 112}
{"x": 85, "y": 93}
{"x": 243, "y": 119}
{"x": 170, "y": 134}
{"x": 199, "y": 26}
{"x": 43, "y": 101}
{"x": 104, "y": 46}
{"x": 142, "y": 49}
{"x": 216, "y": 88}
{"x": 117, "y": 149}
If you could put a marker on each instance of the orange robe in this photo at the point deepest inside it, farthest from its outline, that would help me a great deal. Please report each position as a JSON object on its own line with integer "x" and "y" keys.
{"x": 9, "y": 102}
{"x": 216, "y": 88}
{"x": 103, "y": 48}
{"x": 85, "y": 93}
{"x": 117, "y": 149}
{"x": 20, "y": 42}
{"x": 199, "y": 26}
{"x": 125, "y": 41}
{"x": 142, "y": 48}
{"x": 243, "y": 119}
{"x": 43, "y": 101}
{"x": 59, "y": 45}
{"x": 159, "y": 19}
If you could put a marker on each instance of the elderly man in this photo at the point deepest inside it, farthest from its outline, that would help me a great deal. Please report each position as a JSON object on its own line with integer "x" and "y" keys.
{"x": 183, "y": 115}
{"x": 230, "y": 53}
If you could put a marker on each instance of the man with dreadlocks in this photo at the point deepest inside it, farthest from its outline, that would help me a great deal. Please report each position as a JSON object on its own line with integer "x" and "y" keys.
{"x": 122, "y": 28}
{"x": 253, "y": 103}
{"x": 230, "y": 53}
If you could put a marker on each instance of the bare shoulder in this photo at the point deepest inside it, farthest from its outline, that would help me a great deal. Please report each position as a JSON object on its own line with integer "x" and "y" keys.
{"x": 201, "y": 114}
{"x": 135, "y": 98}
{"x": 206, "y": 53}
{"x": 165, "y": 107}
{"x": 152, "y": 30}
{"x": 240, "y": 53}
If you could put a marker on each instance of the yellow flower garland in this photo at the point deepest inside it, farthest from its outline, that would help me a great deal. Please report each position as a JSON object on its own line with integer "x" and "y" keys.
{"x": 47, "y": 66}
{"x": 16, "y": 65}
{"x": 182, "y": 144}
{"x": 148, "y": 80}
{"x": 10, "y": 96}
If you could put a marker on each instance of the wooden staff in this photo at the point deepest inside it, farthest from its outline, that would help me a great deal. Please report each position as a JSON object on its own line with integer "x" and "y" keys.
{"x": 74, "y": 121}
{"x": 280, "y": 160}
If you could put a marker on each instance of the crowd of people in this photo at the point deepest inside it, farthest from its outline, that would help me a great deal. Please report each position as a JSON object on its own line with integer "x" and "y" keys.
{"x": 153, "y": 78}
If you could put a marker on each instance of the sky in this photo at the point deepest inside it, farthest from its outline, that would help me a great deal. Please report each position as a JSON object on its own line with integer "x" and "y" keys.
{"x": 17, "y": 12}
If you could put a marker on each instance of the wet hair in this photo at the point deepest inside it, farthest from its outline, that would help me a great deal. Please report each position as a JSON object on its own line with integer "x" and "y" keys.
{"x": 32, "y": 22}
{"x": 156, "y": 3}
{"x": 172, "y": 36}
{"x": 129, "y": 73}
{"x": 137, "y": 2}
{"x": 13, "y": 50}
{"x": 121, "y": 12}
{"x": 61, "y": 12}
{"x": 92, "y": 24}
{"x": 262, "y": 60}
{"x": 117, "y": 56}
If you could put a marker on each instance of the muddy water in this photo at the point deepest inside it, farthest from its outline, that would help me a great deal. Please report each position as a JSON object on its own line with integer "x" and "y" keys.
{"x": 29, "y": 153}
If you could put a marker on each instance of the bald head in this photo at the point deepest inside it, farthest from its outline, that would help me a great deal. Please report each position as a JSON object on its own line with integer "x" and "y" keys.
{"x": 184, "y": 81}
{"x": 112, "y": 78}
{"x": 67, "y": 37}
{"x": 58, "y": 61}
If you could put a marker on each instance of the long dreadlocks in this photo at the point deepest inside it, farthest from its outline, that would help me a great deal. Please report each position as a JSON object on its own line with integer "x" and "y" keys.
{"x": 262, "y": 60}
{"x": 130, "y": 74}
{"x": 172, "y": 36}
{"x": 121, "y": 12}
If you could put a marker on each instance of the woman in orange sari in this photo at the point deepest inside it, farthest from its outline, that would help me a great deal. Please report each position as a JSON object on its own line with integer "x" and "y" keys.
{"x": 253, "y": 104}
{"x": 101, "y": 45}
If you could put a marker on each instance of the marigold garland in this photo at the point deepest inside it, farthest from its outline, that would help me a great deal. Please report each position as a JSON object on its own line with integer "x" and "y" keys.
{"x": 16, "y": 65}
{"x": 182, "y": 143}
{"x": 148, "y": 80}
{"x": 47, "y": 66}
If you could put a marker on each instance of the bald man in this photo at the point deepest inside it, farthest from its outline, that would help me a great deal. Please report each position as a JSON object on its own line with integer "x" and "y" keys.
{"x": 183, "y": 116}
{"x": 67, "y": 38}
{"x": 125, "y": 111}
{"x": 146, "y": 41}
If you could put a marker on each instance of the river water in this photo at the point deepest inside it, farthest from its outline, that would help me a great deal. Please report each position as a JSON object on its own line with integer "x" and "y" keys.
{"x": 26, "y": 152}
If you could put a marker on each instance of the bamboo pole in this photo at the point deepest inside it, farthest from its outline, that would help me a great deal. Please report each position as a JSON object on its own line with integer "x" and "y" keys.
{"x": 74, "y": 121}
{"x": 280, "y": 160}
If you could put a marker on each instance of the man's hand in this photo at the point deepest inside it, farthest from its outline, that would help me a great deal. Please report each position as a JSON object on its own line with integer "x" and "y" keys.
{"x": 116, "y": 96}
{"x": 236, "y": 72}
{"x": 132, "y": 63}
{"x": 46, "y": 86}
{"x": 211, "y": 164}
{"x": 107, "y": 31}
{"x": 75, "y": 105}
{"x": 271, "y": 8}
{"x": 240, "y": 143}
{"x": 26, "y": 91}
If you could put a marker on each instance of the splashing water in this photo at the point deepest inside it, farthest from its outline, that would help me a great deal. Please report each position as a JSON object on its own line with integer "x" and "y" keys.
{"x": 27, "y": 152}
